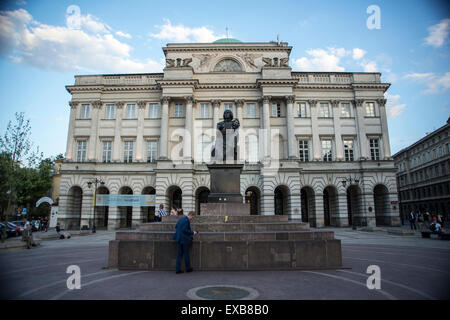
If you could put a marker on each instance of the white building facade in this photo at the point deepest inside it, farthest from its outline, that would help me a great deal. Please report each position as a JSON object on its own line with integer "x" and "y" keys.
{"x": 315, "y": 146}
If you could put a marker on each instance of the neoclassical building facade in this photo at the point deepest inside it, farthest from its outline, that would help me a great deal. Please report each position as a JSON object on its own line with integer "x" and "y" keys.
{"x": 315, "y": 146}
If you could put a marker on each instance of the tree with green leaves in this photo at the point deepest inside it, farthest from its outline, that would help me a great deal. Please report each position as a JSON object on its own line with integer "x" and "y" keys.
{"x": 16, "y": 148}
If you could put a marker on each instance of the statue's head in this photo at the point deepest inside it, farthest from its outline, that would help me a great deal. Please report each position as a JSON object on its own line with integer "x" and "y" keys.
{"x": 228, "y": 115}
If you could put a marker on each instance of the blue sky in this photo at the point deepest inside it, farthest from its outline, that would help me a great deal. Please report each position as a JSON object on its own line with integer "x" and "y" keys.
{"x": 42, "y": 47}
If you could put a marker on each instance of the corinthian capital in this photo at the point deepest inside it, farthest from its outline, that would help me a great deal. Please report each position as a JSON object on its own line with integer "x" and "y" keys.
{"x": 359, "y": 102}
{"x": 96, "y": 104}
{"x": 290, "y": 99}
{"x": 165, "y": 100}
{"x": 142, "y": 104}
{"x": 381, "y": 102}
{"x": 266, "y": 99}
{"x": 119, "y": 104}
{"x": 239, "y": 102}
{"x": 73, "y": 104}
{"x": 216, "y": 103}
{"x": 312, "y": 102}
{"x": 334, "y": 103}
{"x": 189, "y": 99}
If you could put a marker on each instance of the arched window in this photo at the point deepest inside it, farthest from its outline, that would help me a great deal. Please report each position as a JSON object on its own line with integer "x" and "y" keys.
{"x": 228, "y": 65}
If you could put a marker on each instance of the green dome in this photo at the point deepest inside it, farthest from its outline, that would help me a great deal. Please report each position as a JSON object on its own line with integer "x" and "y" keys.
{"x": 227, "y": 40}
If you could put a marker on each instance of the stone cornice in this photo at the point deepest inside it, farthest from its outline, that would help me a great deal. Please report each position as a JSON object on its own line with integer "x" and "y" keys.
{"x": 323, "y": 86}
{"x": 221, "y": 86}
{"x": 178, "y": 83}
{"x": 371, "y": 86}
{"x": 72, "y": 89}
{"x": 276, "y": 82}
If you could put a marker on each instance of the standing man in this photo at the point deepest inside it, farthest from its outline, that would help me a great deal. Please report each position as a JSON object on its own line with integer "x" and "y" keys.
{"x": 183, "y": 236}
{"x": 412, "y": 220}
{"x": 160, "y": 213}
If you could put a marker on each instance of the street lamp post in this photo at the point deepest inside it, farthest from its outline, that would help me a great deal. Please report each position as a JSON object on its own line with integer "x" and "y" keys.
{"x": 95, "y": 181}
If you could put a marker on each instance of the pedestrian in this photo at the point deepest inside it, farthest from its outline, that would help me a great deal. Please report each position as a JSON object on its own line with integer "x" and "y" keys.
{"x": 183, "y": 236}
{"x": 426, "y": 219}
{"x": 174, "y": 211}
{"x": 28, "y": 235}
{"x": 420, "y": 220}
{"x": 180, "y": 212}
{"x": 412, "y": 220}
{"x": 161, "y": 213}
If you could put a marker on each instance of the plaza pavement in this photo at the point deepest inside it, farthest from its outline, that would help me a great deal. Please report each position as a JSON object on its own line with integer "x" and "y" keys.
{"x": 411, "y": 268}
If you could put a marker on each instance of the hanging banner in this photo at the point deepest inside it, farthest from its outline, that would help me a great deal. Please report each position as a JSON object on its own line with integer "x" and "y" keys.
{"x": 125, "y": 200}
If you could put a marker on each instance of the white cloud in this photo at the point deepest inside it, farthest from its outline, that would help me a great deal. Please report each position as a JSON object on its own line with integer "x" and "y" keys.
{"x": 393, "y": 107}
{"x": 322, "y": 60}
{"x": 434, "y": 83}
{"x": 181, "y": 33}
{"x": 358, "y": 53}
{"x": 369, "y": 66}
{"x": 92, "y": 48}
{"x": 438, "y": 33}
{"x": 123, "y": 34}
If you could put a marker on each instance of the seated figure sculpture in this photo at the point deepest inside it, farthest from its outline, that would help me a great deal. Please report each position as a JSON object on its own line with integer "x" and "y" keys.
{"x": 226, "y": 147}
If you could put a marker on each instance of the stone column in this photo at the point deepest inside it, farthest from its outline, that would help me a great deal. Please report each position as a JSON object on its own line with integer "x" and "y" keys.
{"x": 118, "y": 131}
{"x": 164, "y": 128}
{"x": 266, "y": 126}
{"x": 290, "y": 126}
{"x": 136, "y": 217}
{"x": 140, "y": 156}
{"x": 87, "y": 209}
{"x": 315, "y": 130}
{"x": 241, "y": 146}
{"x": 384, "y": 128}
{"x": 216, "y": 106}
{"x": 342, "y": 211}
{"x": 73, "y": 116}
{"x": 187, "y": 139}
{"x": 320, "y": 215}
{"x": 92, "y": 155}
{"x": 337, "y": 130}
{"x": 362, "y": 139}
{"x": 113, "y": 218}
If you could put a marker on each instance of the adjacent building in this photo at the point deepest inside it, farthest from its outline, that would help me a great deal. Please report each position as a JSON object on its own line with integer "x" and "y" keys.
{"x": 423, "y": 174}
{"x": 315, "y": 145}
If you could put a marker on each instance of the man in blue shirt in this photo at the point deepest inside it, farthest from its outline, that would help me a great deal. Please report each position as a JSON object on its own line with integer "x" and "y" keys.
{"x": 183, "y": 236}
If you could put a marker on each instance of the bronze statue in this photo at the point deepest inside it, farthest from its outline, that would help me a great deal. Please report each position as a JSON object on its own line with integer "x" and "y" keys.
{"x": 226, "y": 138}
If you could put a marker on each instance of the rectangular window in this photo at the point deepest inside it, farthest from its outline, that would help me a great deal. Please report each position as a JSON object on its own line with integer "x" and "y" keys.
{"x": 153, "y": 111}
{"x": 107, "y": 147}
{"x": 81, "y": 150}
{"x": 441, "y": 151}
{"x": 204, "y": 110}
{"x": 84, "y": 111}
{"x": 348, "y": 150}
{"x": 276, "y": 110}
{"x": 131, "y": 111}
{"x": 326, "y": 150}
{"x": 345, "y": 110}
{"x": 370, "y": 109}
{"x": 178, "y": 111}
{"x": 324, "y": 110}
{"x": 152, "y": 151}
{"x": 228, "y": 106}
{"x": 128, "y": 151}
{"x": 374, "y": 149}
{"x": 303, "y": 150}
{"x": 302, "y": 110}
{"x": 109, "y": 112}
{"x": 251, "y": 110}
{"x": 435, "y": 153}
{"x": 251, "y": 148}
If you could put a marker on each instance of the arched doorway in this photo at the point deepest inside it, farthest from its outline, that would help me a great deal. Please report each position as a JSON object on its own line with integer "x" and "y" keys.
{"x": 126, "y": 213}
{"x": 330, "y": 205}
{"x": 281, "y": 195}
{"x": 74, "y": 202}
{"x": 381, "y": 201}
{"x": 101, "y": 215}
{"x": 201, "y": 196}
{"x": 174, "y": 194}
{"x": 307, "y": 203}
{"x": 354, "y": 204}
{"x": 148, "y": 213}
{"x": 253, "y": 196}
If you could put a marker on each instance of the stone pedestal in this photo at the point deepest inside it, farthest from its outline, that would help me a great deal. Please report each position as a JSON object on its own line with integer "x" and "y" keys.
{"x": 225, "y": 183}
{"x": 225, "y": 209}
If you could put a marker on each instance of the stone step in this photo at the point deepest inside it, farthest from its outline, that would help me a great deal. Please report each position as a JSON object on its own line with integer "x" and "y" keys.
{"x": 218, "y": 219}
{"x": 229, "y": 236}
{"x": 227, "y": 255}
{"x": 229, "y": 227}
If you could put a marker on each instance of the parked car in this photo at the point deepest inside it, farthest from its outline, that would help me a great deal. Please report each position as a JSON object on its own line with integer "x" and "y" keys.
{"x": 16, "y": 227}
{"x": 10, "y": 231}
